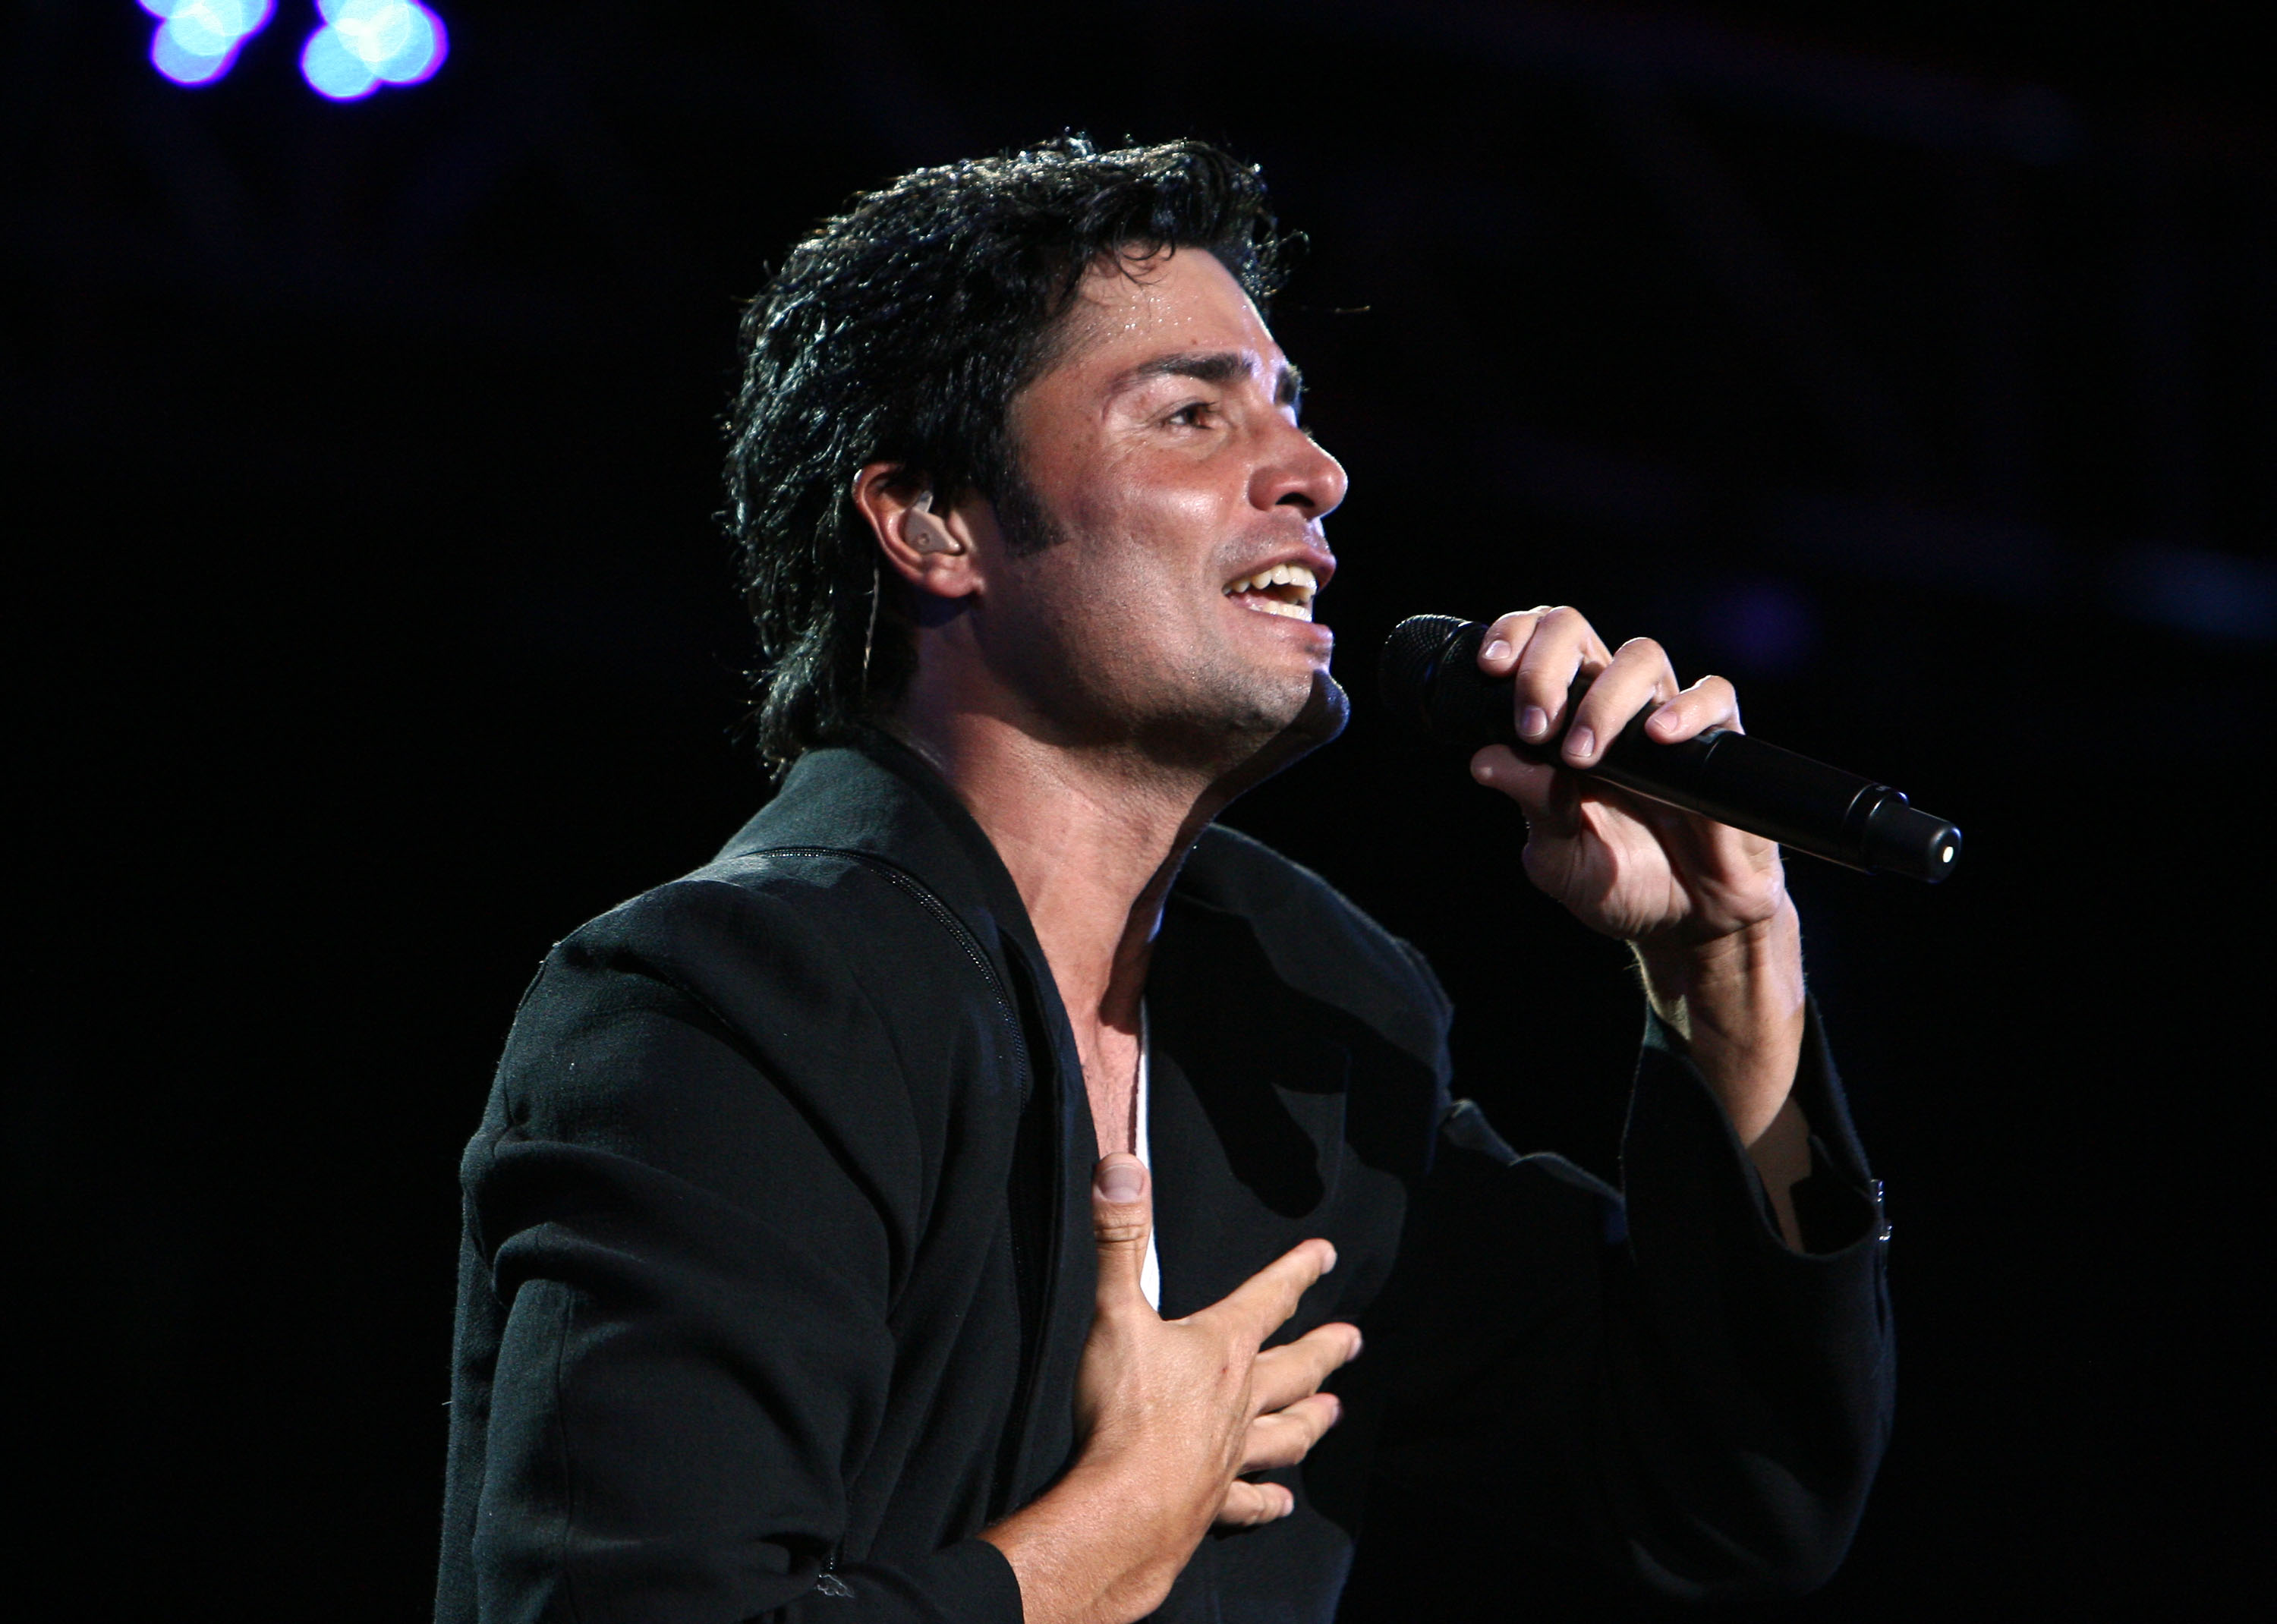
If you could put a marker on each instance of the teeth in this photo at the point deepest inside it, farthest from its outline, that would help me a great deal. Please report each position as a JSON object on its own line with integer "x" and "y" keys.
{"x": 1256, "y": 591}
{"x": 1279, "y": 576}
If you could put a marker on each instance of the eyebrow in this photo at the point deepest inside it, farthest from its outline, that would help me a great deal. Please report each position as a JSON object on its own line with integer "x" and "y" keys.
{"x": 1217, "y": 367}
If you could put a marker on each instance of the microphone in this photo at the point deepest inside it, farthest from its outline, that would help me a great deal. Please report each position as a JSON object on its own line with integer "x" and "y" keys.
{"x": 1431, "y": 681}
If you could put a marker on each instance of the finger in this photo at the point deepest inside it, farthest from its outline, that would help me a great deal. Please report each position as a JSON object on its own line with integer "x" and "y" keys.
{"x": 1506, "y": 638}
{"x": 1639, "y": 676}
{"x": 1283, "y": 1376}
{"x": 1262, "y": 1303}
{"x": 1546, "y": 795}
{"x": 1505, "y": 643}
{"x": 1248, "y": 1504}
{"x": 1563, "y": 645}
{"x": 1710, "y": 703}
{"x": 1287, "y": 1436}
{"x": 1121, "y": 1217}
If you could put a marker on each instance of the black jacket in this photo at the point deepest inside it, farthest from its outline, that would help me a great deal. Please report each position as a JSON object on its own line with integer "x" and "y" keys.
{"x": 777, "y": 1263}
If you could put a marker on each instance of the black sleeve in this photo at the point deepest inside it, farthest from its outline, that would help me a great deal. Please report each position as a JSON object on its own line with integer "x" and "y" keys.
{"x": 672, "y": 1336}
{"x": 1647, "y": 1380}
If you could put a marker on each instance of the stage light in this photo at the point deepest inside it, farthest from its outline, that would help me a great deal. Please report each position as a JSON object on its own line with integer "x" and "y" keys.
{"x": 367, "y": 43}
{"x": 196, "y": 41}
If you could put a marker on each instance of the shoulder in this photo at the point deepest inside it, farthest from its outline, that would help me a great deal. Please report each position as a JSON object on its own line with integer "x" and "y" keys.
{"x": 754, "y": 1016}
{"x": 789, "y": 913}
{"x": 778, "y": 956}
{"x": 1318, "y": 939}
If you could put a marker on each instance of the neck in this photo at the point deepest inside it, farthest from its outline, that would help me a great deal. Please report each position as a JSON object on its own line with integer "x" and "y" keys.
{"x": 1092, "y": 837}
{"x": 1094, "y": 832}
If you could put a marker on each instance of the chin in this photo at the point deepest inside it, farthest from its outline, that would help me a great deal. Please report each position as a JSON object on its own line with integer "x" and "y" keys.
{"x": 1307, "y": 705}
{"x": 1274, "y": 736}
{"x": 1326, "y": 709}
{"x": 1239, "y": 728}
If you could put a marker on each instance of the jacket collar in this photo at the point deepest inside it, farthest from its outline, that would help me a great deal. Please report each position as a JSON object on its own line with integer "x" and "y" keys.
{"x": 875, "y": 795}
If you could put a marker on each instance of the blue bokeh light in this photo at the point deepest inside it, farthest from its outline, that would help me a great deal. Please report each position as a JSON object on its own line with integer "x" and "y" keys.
{"x": 367, "y": 43}
{"x": 196, "y": 42}
{"x": 332, "y": 70}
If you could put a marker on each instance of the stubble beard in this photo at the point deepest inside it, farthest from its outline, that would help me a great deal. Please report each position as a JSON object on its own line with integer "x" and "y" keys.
{"x": 1198, "y": 715}
{"x": 1224, "y": 719}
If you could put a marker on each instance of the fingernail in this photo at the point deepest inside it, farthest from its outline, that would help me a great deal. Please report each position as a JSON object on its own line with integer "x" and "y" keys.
{"x": 1533, "y": 722}
{"x": 1118, "y": 1179}
{"x": 1332, "y": 1257}
{"x": 1495, "y": 650}
{"x": 1581, "y": 744}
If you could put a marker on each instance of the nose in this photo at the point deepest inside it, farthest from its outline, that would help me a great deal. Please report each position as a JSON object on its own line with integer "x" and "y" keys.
{"x": 1295, "y": 472}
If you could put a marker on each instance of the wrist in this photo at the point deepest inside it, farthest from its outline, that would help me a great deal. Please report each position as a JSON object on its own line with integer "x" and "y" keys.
{"x": 1095, "y": 1548}
{"x": 1735, "y": 1003}
{"x": 1710, "y": 974}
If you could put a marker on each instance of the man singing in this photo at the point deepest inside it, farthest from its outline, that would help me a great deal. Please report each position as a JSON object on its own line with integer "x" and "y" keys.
{"x": 951, "y": 1202}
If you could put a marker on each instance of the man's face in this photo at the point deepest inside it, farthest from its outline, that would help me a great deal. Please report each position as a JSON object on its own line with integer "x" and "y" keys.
{"x": 1174, "y": 607}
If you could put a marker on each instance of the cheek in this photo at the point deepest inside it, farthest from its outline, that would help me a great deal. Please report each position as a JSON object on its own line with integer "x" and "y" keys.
{"x": 1161, "y": 521}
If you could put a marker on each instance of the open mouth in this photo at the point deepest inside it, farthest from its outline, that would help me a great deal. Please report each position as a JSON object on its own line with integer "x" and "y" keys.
{"x": 1284, "y": 589}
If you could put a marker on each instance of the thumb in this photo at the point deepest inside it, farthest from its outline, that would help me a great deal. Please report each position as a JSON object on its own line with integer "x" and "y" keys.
{"x": 1122, "y": 1215}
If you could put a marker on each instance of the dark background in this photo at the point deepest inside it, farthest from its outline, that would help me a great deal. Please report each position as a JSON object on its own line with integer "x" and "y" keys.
{"x": 1919, "y": 372}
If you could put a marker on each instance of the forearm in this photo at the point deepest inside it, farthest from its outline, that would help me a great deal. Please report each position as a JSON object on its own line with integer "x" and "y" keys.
{"x": 1096, "y": 1548}
{"x": 1737, "y": 1004}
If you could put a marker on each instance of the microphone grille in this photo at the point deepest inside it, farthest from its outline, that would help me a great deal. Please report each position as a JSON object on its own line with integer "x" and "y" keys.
{"x": 1410, "y": 655}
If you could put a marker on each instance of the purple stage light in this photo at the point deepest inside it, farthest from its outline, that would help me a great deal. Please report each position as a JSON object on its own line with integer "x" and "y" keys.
{"x": 367, "y": 43}
{"x": 423, "y": 51}
{"x": 196, "y": 42}
{"x": 332, "y": 70}
{"x": 1767, "y": 627}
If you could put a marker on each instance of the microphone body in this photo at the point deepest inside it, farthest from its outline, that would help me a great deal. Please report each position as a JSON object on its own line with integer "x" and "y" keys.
{"x": 1431, "y": 681}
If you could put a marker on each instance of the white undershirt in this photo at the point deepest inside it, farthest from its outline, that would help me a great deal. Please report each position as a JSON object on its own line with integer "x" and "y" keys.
{"x": 1150, "y": 1274}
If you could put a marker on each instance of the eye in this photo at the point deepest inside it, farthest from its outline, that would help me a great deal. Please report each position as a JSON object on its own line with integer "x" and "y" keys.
{"x": 1193, "y": 414}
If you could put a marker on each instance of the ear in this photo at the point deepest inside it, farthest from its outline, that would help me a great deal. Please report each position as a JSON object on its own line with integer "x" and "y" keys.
{"x": 933, "y": 552}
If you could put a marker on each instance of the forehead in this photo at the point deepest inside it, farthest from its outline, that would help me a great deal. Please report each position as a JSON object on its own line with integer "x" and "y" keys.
{"x": 1132, "y": 310}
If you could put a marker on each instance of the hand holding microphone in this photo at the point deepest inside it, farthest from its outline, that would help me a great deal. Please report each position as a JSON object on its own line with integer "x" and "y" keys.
{"x": 1433, "y": 681}
{"x": 1652, "y": 817}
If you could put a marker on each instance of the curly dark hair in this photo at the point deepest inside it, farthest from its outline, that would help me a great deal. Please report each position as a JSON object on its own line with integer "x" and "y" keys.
{"x": 899, "y": 332}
